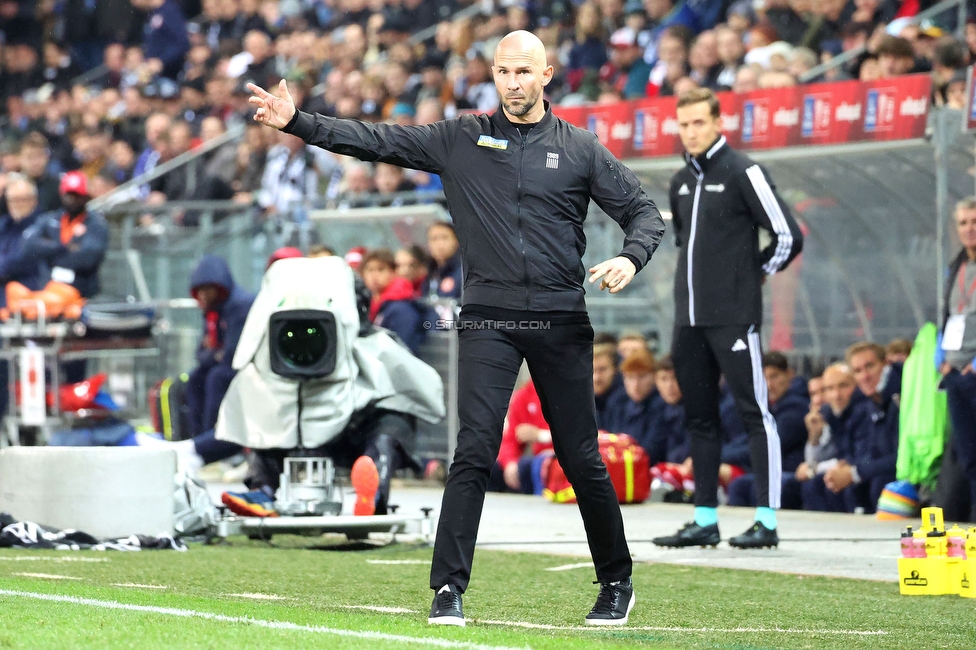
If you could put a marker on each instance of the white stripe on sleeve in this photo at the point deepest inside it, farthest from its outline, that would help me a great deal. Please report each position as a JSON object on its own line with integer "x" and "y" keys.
{"x": 784, "y": 238}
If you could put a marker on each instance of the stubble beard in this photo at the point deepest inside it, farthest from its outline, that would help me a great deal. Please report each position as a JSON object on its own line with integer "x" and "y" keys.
{"x": 523, "y": 109}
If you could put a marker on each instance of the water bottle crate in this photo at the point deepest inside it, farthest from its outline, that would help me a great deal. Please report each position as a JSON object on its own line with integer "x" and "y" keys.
{"x": 930, "y": 576}
{"x": 965, "y": 578}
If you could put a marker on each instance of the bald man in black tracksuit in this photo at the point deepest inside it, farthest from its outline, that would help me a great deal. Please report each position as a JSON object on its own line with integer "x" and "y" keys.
{"x": 518, "y": 184}
{"x": 719, "y": 202}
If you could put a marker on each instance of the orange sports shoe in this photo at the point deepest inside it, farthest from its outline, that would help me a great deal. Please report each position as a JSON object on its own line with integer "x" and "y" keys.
{"x": 365, "y": 481}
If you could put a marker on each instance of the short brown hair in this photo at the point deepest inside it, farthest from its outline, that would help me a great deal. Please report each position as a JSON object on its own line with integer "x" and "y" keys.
{"x": 775, "y": 359}
{"x": 639, "y": 361}
{"x": 895, "y": 46}
{"x": 865, "y": 346}
{"x": 664, "y": 364}
{"x": 382, "y": 255}
{"x": 899, "y": 346}
{"x": 698, "y": 96}
{"x": 320, "y": 250}
{"x": 607, "y": 350}
{"x": 632, "y": 335}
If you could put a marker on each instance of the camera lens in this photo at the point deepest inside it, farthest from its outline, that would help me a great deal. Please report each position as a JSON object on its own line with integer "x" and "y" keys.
{"x": 302, "y": 342}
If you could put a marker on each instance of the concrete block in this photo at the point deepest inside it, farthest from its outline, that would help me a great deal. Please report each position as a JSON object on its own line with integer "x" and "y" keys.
{"x": 104, "y": 491}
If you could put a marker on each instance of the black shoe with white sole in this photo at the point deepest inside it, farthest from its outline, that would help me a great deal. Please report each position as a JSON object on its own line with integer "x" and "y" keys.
{"x": 756, "y": 537}
{"x": 691, "y": 534}
{"x": 614, "y": 603}
{"x": 446, "y": 608}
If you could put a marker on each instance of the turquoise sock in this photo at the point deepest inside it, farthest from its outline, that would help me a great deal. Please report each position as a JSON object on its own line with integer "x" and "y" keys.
{"x": 767, "y": 517}
{"x": 705, "y": 516}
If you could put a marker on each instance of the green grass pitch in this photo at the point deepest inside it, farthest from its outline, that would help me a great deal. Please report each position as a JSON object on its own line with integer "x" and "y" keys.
{"x": 249, "y": 595}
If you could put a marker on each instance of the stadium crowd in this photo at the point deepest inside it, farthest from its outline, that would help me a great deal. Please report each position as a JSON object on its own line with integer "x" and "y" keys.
{"x": 114, "y": 88}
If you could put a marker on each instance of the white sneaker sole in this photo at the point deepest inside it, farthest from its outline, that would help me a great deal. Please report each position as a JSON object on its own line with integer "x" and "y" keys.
{"x": 446, "y": 620}
{"x": 606, "y": 622}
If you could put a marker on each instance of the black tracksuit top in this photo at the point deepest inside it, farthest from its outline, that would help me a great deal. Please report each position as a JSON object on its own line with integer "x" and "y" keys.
{"x": 518, "y": 202}
{"x": 719, "y": 201}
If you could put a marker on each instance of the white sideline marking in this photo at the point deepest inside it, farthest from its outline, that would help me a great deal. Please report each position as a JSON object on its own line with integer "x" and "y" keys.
{"x": 382, "y": 610}
{"x": 47, "y": 576}
{"x": 258, "y": 596}
{"x": 138, "y": 586}
{"x": 246, "y": 620}
{"x": 397, "y": 561}
{"x": 48, "y": 558}
{"x": 707, "y": 630}
{"x": 567, "y": 567}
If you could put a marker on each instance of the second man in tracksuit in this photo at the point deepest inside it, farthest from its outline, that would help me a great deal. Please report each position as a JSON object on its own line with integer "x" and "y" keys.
{"x": 719, "y": 202}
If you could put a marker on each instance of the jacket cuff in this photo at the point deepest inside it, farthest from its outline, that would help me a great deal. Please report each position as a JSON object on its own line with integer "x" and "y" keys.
{"x": 302, "y": 125}
{"x": 637, "y": 263}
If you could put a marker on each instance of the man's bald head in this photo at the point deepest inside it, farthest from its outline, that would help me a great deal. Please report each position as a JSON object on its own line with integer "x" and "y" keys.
{"x": 522, "y": 44}
{"x": 521, "y": 71}
{"x": 838, "y": 386}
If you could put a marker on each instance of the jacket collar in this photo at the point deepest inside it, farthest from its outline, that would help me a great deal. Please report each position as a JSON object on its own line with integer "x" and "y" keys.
{"x": 702, "y": 161}
{"x": 501, "y": 121}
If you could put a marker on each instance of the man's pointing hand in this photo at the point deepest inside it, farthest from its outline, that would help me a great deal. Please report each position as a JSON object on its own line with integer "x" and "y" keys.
{"x": 273, "y": 111}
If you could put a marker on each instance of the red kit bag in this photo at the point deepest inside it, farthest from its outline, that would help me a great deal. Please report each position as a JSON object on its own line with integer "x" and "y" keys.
{"x": 627, "y": 464}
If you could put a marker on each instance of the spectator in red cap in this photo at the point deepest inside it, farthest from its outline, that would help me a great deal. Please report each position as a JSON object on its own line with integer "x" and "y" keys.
{"x": 354, "y": 257}
{"x": 72, "y": 243}
{"x": 284, "y": 253}
{"x": 626, "y": 71}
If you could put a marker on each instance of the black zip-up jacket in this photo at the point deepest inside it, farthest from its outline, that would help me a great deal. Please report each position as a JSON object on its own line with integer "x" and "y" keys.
{"x": 719, "y": 201}
{"x": 518, "y": 202}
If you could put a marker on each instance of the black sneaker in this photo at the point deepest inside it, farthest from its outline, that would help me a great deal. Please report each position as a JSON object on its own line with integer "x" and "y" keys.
{"x": 614, "y": 603}
{"x": 446, "y": 608}
{"x": 691, "y": 534}
{"x": 756, "y": 537}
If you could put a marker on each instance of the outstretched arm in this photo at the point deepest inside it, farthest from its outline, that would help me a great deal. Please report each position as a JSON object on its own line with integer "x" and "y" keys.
{"x": 425, "y": 147}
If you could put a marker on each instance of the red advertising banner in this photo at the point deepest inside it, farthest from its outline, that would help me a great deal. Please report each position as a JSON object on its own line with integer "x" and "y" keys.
{"x": 829, "y": 113}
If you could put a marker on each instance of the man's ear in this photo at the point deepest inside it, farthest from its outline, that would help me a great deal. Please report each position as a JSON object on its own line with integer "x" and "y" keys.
{"x": 547, "y": 75}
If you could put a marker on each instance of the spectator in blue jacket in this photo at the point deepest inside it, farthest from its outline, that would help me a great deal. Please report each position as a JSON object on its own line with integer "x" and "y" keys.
{"x": 859, "y": 476}
{"x": 830, "y": 436}
{"x": 16, "y": 262}
{"x": 669, "y": 442}
{"x": 72, "y": 243}
{"x": 393, "y": 306}
{"x": 643, "y": 405}
{"x": 166, "y": 41}
{"x": 608, "y": 386}
{"x": 445, "y": 277}
{"x": 735, "y": 446}
{"x": 225, "y": 305}
{"x": 670, "y": 446}
{"x": 789, "y": 403}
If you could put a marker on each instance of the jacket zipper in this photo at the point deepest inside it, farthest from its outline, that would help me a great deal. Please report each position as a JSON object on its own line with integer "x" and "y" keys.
{"x": 518, "y": 214}
{"x": 616, "y": 178}
{"x": 700, "y": 176}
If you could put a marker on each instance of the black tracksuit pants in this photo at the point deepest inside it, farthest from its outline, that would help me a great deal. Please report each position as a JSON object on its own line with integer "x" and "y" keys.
{"x": 701, "y": 355}
{"x": 560, "y": 360}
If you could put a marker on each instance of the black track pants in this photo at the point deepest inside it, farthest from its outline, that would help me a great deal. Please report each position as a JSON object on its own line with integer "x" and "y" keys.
{"x": 701, "y": 356}
{"x": 560, "y": 360}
